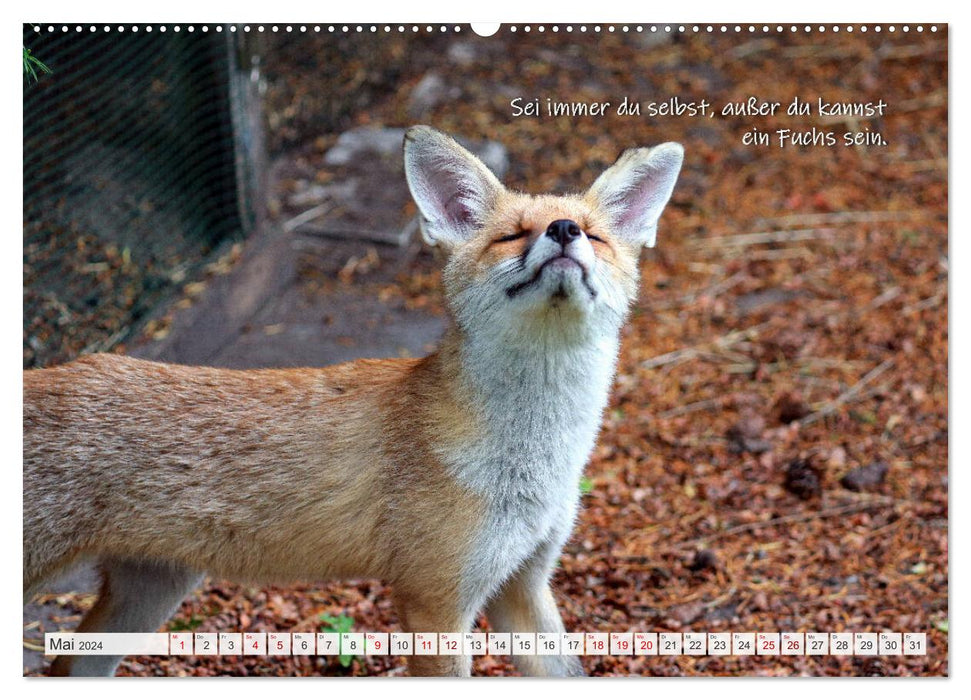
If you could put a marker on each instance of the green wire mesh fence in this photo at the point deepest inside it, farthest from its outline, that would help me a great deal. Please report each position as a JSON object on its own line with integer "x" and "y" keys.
{"x": 142, "y": 156}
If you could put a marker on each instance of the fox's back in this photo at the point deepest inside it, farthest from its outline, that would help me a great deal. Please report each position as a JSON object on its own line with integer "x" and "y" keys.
{"x": 130, "y": 451}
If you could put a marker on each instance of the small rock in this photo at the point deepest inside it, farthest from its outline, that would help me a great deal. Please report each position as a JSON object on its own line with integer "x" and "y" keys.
{"x": 746, "y": 434}
{"x": 756, "y": 447}
{"x": 866, "y": 477}
{"x": 746, "y": 303}
{"x": 352, "y": 144}
{"x": 790, "y": 407}
{"x": 767, "y": 461}
{"x": 704, "y": 559}
{"x": 650, "y": 40}
{"x": 831, "y": 551}
{"x": 463, "y": 53}
{"x": 751, "y": 425}
{"x": 308, "y": 195}
{"x": 492, "y": 153}
{"x": 803, "y": 480}
{"x": 430, "y": 91}
{"x": 687, "y": 613}
{"x": 727, "y": 612}
{"x": 836, "y": 459}
{"x": 658, "y": 576}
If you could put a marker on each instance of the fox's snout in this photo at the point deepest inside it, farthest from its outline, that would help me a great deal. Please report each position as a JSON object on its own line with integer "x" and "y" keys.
{"x": 564, "y": 231}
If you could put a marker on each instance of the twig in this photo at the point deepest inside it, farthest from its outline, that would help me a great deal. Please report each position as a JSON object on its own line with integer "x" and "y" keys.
{"x": 783, "y": 254}
{"x": 788, "y": 519}
{"x": 928, "y": 303}
{"x": 815, "y": 51}
{"x": 746, "y": 239}
{"x": 848, "y": 217}
{"x": 722, "y": 343}
{"x": 106, "y": 344}
{"x": 910, "y": 51}
{"x": 886, "y": 296}
{"x": 395, "y": 239}
{"x": 800, "y": 364}
{"x": 832, "y": 406}
{"x": 750, "y": 48}
{"x": 922, "y": 165}
{"x": 307, "y": 216}
{"x": 695, "y": 406}
{"x": 715, "y": 289}
{"x": 706, "y": 268}
{"x": 935, "y": 99}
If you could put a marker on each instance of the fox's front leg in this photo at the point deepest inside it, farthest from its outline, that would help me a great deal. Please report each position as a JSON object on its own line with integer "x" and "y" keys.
{"x": 525, "y": 603}
{"x": 428, "y": 612}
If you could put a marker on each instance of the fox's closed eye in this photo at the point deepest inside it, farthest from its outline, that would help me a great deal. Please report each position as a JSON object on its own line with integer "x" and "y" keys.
{"x": 511, "y": 237}
{"x": 595, "y": 238}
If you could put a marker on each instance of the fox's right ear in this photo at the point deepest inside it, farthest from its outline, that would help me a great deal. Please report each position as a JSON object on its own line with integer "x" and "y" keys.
{"x": 453, "y": 189}
{"x": 634, "y": 190}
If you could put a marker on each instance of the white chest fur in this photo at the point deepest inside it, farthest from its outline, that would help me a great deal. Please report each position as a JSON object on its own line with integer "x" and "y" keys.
{"x": 542, "y": 407}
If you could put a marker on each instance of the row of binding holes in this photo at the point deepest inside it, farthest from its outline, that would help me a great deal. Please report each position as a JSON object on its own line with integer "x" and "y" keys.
{"x": 720, "y": 28}
{"x": 302, "y": 28}
{"x": 414, "y": 28}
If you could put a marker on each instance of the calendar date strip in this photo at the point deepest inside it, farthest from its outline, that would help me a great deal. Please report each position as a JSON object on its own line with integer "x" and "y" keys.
{"x": 491, "y": 643}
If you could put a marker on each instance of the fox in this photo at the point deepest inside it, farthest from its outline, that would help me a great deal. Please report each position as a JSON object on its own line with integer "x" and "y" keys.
{"x": 454, "y": 477}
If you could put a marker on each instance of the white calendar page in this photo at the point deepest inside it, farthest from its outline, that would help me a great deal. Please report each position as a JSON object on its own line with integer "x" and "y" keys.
{"x": 768, "y": 493}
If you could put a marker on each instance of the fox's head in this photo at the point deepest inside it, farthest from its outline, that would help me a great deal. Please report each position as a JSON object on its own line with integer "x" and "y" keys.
{"x": 520, "y": 264}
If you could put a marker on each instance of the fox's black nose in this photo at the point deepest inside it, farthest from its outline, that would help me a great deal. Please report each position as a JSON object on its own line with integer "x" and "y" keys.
{"x": 563, "y": 231}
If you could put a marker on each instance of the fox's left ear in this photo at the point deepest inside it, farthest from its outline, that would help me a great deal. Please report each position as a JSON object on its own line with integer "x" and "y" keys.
{"x": 453, "y": 189}
{"x": 633, "y": 191}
